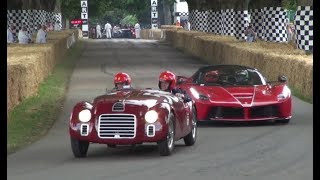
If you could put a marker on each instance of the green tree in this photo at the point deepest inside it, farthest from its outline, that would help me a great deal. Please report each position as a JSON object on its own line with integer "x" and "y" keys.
{"x": 130, "y": 19}
{"x": 290, "y": 4}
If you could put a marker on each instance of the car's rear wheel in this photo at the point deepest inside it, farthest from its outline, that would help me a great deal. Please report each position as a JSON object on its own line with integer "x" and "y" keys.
{"x": 190, "y": 139}
{"x": 79, "y": 148}
{"x": 166, "y": 146}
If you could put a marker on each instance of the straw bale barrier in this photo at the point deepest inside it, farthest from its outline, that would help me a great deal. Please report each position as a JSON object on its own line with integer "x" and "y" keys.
{"x": 25, "y": 72}
{"x": 271, "y": 59}
{"x": 28, "y": 65}
{"x": 152, "y": 34}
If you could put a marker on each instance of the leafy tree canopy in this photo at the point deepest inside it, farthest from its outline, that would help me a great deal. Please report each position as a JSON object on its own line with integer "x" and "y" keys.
{"x": 113, "y": 11}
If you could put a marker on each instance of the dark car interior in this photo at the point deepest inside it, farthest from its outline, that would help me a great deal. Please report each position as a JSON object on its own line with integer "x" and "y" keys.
{"x": 227, "y": 75}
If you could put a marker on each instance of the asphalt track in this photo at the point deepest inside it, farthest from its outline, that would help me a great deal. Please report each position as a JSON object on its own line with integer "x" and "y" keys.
{"x": 259, "y": 151}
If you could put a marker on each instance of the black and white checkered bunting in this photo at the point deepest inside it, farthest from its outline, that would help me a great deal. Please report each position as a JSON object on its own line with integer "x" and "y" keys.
{"x": 303, "y": 24}
{"x": 256, "y": 20}
{"x": 181, "y": 14}
{"x": 275, "y": 22}
{"x": 228, "y": 22}
{"x": 270, "y": 24}
{"x": 204, "y": 23}
{"x": 31, "y": 18}
{"x": 196, "y": 20}
{"x": 241, "y": 22}
{"x": 214, "y": 21}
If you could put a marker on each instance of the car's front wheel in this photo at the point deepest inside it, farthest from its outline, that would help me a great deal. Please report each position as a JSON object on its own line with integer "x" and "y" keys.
{"x": 166, "y": 146}
{"x": 190, "y": 139}
{"x": 79, "y": 148}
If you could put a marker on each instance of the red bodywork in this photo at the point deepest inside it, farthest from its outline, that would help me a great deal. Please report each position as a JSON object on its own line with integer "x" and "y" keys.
{"x": 135, "y": 105}
{"x": 262, "y": 101}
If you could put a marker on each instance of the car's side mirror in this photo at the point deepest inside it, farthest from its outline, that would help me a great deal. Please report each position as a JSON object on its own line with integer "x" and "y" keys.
{"x": 282, "y": 79}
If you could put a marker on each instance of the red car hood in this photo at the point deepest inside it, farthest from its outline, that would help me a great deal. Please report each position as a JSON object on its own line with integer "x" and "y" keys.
{"x": 147, "y": 98}
{"x": 246, "y": 96}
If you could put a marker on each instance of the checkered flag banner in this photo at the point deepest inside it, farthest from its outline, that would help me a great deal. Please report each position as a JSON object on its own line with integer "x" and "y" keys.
{"x": 275, "y": 24}
{"x": 256, "y": 19}
{"x": 241, "y": 22}
{"x": 270, "y": 24}
{"x": 181, "y": 14}
{"x": 214, "y": 20}
{"x": 228, "y": 22}
{"x": 303, "y": 23}
{"x": 30, "y": 18}
{"x": 196, "y": 20}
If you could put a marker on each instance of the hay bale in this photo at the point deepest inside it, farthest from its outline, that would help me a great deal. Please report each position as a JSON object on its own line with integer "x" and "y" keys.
{"x": 47, "y": 49}
{"x": 29, "y": 64}
{"x": 152, "y": 34}
{"x": 24, "y": 77}
{"x": 171, "y": 27}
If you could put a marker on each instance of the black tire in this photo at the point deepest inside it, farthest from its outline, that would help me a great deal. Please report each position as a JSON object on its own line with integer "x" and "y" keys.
{"x": 79, "y": 148}
{"x": 166, "y": 146}
{"x": 283, "y": 121}
{"x": 190, "y": 139}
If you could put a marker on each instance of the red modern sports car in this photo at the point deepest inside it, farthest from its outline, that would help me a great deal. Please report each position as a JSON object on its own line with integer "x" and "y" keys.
{"x": 237, "y": 93}
{"x": 129, "y": 117}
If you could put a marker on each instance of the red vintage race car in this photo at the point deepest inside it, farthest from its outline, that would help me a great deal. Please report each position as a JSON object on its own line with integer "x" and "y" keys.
{"x": 130, "y": 117}
{"x": 237, "y": 93}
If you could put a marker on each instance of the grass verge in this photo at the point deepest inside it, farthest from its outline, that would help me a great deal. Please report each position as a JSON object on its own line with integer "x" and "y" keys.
{"x": 296, "y": 93}
{"x": 34, "y": 116}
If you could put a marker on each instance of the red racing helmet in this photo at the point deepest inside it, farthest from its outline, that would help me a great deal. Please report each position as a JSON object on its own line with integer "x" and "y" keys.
{"x": 122, "y": 77}
{"x": 169, "y": 77}
{"x": 211, "y": 76}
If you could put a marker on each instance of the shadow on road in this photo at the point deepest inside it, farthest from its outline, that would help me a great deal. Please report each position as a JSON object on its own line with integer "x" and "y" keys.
{"x": 125, "y": 153}
{"x": 223, "y": 124}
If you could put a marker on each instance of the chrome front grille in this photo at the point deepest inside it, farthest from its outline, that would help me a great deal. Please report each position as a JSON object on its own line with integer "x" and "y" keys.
{"x": 117, "y": 126}
{"x": 84, "y": 130}
{"x": 150, "y": 130}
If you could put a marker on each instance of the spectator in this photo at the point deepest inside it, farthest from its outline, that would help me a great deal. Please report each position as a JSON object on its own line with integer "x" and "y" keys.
{"x": 188, "y": 25}
{"x": 23, "y": 36}
{"x": 177, "y": 23}
{"x": 182, "y": 23}
{"x": 93, "y": 33}
{"x": 41, "y": 35}
{"x": 290, "y": 32}
{"x": 10, "y": 38}
{"x": 108, "y": 28}
{"x": 250, "y": 33}
{"x": 137, "y": 30}
{"x": 48, "y": 24}
{"x": 98, "y": 31}
{"x": 57, "y": 26}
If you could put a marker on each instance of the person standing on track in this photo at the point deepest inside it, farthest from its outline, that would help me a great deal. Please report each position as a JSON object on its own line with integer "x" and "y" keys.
{"x": 137, "y": 30}
{"x": 108, "y": 29}
{"x": 98, "y": 31}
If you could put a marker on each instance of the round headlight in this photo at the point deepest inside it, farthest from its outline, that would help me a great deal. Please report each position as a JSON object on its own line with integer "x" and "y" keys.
{"x": 85, "y": 115}
{"x": 151, "y": 116}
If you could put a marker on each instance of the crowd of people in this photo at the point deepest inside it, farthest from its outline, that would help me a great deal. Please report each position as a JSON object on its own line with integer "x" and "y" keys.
{"x": 97, "y": 32}
{"x": 24, "y": 37}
